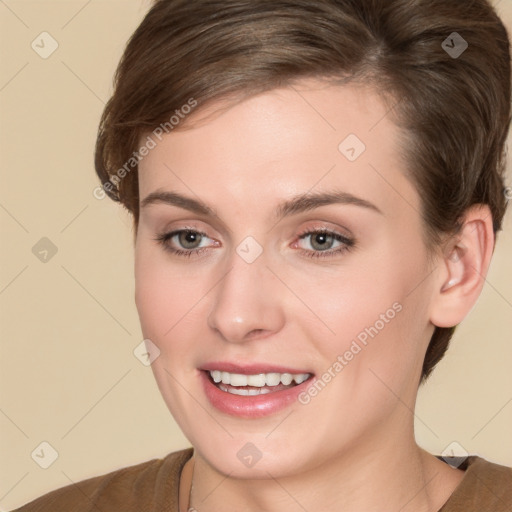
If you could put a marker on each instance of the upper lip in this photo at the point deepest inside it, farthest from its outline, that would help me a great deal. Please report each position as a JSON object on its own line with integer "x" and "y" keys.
{"x": 250, "y": 369}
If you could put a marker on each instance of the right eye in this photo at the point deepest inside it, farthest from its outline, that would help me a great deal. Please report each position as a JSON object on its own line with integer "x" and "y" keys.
{"x": 187, "y": 241}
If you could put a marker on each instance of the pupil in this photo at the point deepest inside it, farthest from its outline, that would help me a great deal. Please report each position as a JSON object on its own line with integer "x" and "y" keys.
{"x": 189, "y": 237}
{"x": 320, "y": 241}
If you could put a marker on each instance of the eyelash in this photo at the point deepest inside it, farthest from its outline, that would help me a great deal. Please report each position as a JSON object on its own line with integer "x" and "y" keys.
{"x": 165, "y": 237}
{"x": 348, "y": 243}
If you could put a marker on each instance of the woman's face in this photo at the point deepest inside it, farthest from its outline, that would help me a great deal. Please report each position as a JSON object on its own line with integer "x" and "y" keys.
{"x": 254, "y": 290}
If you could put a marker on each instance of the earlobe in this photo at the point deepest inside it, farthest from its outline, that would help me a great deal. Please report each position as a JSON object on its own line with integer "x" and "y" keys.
{"x": 463, "y": 268}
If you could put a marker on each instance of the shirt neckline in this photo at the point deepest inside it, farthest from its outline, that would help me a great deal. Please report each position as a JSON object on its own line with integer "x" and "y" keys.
{"x": 467, "y": 465}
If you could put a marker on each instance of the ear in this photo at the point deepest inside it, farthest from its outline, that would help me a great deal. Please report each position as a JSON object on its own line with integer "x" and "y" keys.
{"x": 462, "y": 268}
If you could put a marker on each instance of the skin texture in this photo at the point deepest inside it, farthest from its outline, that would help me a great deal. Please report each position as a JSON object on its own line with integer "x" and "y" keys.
{"x": 352, "y": 446}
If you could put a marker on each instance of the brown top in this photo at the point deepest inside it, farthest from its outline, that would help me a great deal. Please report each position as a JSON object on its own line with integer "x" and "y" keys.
{"x": 152, "y": 486}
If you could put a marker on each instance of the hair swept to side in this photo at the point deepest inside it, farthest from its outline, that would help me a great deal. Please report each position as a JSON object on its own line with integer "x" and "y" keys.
{"x": 454, "y": 109}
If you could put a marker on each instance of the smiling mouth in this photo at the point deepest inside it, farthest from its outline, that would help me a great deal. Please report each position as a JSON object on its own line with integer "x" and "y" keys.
{"x": 257, "y": 384}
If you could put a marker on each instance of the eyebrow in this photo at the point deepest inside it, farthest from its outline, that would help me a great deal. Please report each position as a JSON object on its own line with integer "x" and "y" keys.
{"x": 297, "y": 204}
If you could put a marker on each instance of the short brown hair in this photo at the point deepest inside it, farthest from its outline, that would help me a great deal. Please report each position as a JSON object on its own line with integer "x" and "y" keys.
{"x": 454, "y": 108}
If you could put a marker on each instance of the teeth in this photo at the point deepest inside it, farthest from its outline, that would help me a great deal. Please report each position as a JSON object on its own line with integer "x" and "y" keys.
{"x": 237, "y": 380}
{"x": 255, "y": 380}
{"x": 299, "y": 379}
{"x": 258, "y": 381}
{"x": 286, "y": 378}
{"x": 245, "y": 392}
{"x": 272, "y": 379}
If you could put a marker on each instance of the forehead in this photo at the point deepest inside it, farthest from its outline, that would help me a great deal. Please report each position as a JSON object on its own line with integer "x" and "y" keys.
{"x": 282, "y": 142}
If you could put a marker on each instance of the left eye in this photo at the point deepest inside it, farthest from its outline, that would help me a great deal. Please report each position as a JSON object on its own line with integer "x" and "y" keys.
{"x": 322, "y": 240}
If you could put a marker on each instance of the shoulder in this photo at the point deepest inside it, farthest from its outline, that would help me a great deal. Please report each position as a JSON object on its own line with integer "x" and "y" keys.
{"x": 485, "y": 486}
{"x": 148, "y": 486}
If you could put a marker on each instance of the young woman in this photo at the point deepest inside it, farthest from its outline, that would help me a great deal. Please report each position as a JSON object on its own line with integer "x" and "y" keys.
{"x": 316, "y": 188}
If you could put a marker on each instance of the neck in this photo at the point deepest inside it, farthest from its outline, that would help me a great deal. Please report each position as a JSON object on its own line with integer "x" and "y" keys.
{"x": 387, "y": 475}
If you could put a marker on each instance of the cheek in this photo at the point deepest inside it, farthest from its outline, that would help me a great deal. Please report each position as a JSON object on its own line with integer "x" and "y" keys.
{"x": 376, "y": 313}
{"x": 162, "y": 297}
{"x": 350, "y": 299}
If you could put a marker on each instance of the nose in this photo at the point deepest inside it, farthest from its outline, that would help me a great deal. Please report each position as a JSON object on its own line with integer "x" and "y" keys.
{"x": 248, "y": 302}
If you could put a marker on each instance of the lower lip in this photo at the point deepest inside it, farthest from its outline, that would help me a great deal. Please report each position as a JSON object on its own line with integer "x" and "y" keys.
{"x": 256, "y": 406}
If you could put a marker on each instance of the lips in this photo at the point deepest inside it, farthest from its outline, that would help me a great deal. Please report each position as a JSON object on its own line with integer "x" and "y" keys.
{"x": 252, "y": 391}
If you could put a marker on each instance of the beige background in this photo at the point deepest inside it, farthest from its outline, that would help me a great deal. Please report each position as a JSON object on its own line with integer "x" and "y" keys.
{"x": 69, "y": 326}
